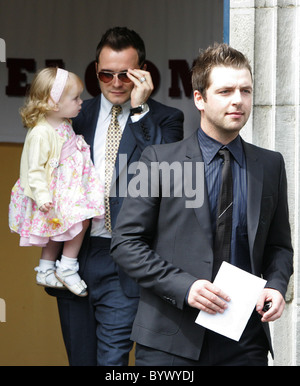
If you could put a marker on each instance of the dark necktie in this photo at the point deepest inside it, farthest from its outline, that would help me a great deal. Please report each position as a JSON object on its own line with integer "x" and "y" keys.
{"x": 224, "y": 215}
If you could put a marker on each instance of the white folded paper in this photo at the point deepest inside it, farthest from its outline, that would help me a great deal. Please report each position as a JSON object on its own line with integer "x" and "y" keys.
{"x": 244, "y": 290}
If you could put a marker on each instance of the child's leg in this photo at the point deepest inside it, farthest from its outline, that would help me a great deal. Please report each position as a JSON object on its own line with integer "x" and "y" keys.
{"x": 72, "y": 247}
{"x": 45, "y": 270}
{"x": 49, "y": 256}
{"x": 51, "y": 251}
{"x": 68, "y": 266}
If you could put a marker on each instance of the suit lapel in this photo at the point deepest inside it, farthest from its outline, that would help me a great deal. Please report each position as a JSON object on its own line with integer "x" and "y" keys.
{"x": 255, "y": 184}
{"x": 127, "y": 147}
{"x": 91, "y": 123}
{"x": 203, "y": 214}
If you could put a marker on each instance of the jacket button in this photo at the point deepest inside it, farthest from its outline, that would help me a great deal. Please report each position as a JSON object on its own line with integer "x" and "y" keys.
{"x": 169, "y": 300}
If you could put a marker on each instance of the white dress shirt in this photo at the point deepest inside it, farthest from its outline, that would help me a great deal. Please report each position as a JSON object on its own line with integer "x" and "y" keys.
{"x": 98, "y": 228}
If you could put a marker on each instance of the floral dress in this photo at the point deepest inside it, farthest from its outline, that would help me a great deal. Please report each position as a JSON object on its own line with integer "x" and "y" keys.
{"x": 77, "y": 195}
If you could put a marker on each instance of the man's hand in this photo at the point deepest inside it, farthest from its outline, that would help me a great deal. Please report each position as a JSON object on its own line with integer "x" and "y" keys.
{"x": 207, "y": 297}
{"x": 142, "y": 88}
{"x": 278, "y": 304}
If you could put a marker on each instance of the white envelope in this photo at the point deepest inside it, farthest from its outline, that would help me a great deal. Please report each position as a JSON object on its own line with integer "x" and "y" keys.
{"x": 244, "y": 290}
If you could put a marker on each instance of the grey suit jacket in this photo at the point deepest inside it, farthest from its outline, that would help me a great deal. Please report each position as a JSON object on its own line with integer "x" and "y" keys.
{"x": 166, "y": 246}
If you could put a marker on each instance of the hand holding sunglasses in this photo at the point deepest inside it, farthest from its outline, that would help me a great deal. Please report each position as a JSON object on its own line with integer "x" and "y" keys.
{"x": 143, "y": 86}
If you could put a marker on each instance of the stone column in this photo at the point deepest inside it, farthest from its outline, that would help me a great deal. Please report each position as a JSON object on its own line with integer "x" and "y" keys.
{"x": 268, "y": 32}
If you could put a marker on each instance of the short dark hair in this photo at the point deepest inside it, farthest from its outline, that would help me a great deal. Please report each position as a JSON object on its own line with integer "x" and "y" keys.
{"x": 120, "y": 38}
{"x": 217, "y": 55}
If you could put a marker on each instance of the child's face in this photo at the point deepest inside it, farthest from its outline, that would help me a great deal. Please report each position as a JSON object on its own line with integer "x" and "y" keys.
{"x": 70, "y": 102}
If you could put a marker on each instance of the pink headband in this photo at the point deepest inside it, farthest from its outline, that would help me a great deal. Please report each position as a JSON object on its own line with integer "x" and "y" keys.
{"x": 59, "y": 84}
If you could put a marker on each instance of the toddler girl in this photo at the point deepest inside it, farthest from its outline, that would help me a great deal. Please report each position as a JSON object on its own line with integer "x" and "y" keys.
{"x": 58, "y": 189}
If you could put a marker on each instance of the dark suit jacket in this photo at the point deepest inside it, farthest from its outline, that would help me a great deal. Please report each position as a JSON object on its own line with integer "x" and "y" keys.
{"x": 162, "y": 124}
{"x": 165, "y": 246}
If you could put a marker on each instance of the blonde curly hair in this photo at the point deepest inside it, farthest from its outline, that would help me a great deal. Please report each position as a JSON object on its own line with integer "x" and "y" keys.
{"x": 38, "y": 102}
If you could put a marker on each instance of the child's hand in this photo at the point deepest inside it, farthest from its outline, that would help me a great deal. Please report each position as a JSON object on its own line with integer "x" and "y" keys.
{"x": 46, "y": 207}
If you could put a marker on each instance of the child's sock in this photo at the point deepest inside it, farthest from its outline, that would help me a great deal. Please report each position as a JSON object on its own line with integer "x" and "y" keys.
{"x": 44, "y": 265}
{"x": 70, "y": 263}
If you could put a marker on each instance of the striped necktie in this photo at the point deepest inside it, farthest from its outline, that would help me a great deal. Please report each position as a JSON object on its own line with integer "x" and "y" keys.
{"x": 222, "y": 244}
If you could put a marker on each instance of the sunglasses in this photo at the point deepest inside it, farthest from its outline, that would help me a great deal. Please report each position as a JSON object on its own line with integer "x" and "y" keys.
{"x": 107, "y": 77}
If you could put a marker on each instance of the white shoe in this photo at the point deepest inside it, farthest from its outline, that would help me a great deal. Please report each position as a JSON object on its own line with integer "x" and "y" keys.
{"x": 48, "y": 278}
{"x": 78, "y": 288}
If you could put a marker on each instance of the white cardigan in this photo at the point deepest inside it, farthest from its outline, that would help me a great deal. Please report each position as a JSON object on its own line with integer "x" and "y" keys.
{"x": 41, "y": 154}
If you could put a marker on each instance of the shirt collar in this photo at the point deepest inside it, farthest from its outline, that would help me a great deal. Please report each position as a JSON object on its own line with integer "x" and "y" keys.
{"x": 210, "y": 148}
{"x": 106, "y": 106}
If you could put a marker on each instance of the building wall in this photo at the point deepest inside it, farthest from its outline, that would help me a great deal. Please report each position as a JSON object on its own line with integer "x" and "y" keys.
{"x": 268, "y": 32}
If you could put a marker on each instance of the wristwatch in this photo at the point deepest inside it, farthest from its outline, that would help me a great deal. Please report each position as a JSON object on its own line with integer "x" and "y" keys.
{"x": 143, "y": 108}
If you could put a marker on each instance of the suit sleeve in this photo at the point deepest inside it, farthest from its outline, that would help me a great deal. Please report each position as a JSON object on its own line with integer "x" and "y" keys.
{"x": 132, "y": 246}
{"x": 278, "y": 253}
{"x": 161, "y": 124}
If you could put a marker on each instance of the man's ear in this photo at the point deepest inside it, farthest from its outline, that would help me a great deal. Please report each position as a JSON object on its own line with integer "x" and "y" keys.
{"x": 198, "y": 100}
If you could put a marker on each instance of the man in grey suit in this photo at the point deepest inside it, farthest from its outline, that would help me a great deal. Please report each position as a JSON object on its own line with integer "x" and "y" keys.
{"x": 168, "y": 245}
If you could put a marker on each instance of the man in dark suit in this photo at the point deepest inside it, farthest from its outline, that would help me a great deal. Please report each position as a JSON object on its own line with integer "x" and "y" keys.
{"x": 171, "y": 246}
{"x": 97, "y": 329}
